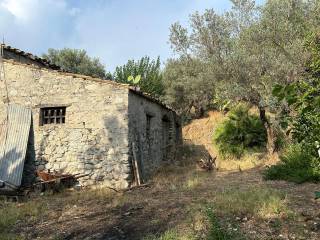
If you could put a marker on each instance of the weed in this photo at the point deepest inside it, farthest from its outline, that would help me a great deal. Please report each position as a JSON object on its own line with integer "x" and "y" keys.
{"x": 192, "y": 183}
{"x": 296, "y": 165}
{"x": 217, "y": 232}
{"x": 276, "y": 224}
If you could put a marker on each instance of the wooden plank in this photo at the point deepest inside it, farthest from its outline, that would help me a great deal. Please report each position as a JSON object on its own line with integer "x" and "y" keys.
{"x": 136, "y": 165}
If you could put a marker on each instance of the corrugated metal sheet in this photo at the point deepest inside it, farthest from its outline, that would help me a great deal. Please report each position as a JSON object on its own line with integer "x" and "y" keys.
{"x": 13, "y": 144}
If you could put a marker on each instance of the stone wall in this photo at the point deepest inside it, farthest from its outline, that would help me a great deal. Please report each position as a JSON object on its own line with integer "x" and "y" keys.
{"x": 94, "y": 138}
{"x": 155, "y": 131}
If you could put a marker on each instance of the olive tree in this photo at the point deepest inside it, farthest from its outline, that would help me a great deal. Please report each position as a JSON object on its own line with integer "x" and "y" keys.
{"x": 245, "y": 51}
{"x": 76, "y": 61}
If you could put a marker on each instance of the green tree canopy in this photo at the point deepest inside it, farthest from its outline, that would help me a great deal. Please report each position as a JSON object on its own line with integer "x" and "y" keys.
{"x": 149, "y": 70}
{"x": 247, "y": 49}
{"x": 300, "y": 116}
{"x": 76, "y": 61}
{"x": 243, "y": 53}
{"x": 301, "y": 99}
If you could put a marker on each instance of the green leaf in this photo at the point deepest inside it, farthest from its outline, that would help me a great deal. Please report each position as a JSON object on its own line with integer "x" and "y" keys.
{"x": 130, "y": 78}
{"x": 291, "y": 100}
{"x": 289, "y": 89}
{"x": 284, "y": 124}
{"x": 277, "y": 89}
{"x": 316, "y": 101}
{"x": 306, "y": 109}
{"x": 137, "y": 79}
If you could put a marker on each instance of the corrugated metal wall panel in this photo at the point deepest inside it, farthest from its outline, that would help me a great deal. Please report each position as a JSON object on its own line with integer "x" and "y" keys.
{"x": 14, "y": 144}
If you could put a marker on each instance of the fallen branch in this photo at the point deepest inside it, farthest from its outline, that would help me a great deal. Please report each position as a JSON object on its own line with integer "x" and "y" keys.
{"x": 114, "y": 189}
{"x": 136, "y": 187}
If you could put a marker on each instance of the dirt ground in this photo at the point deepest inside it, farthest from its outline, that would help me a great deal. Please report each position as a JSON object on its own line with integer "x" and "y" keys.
{"x": 165, "y": 205}
{"x": 176, "y": 201}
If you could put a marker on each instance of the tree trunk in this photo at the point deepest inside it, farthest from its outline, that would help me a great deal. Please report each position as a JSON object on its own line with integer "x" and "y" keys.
{"x": 268, "y": 127}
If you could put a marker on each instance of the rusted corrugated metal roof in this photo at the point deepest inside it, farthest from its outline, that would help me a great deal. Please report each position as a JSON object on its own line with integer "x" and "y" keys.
{"x": 13, "y": 144}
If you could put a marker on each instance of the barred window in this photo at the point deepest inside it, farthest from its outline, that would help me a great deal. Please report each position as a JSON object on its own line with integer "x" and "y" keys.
{"x": 52, "y": 115}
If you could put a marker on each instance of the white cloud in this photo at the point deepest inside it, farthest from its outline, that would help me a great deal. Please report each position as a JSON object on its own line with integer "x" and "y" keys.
{"x": 28, "y": 10}
{"x": 114, "y": 30}
{"x": 35, "y": 25}
{"x": 15, "y": 8}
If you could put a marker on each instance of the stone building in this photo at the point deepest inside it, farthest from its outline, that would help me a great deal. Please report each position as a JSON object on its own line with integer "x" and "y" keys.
{"x": 86, "y": 125}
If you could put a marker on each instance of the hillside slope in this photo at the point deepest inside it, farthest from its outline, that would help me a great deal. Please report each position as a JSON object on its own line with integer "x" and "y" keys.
{"x": 200, "y": 133}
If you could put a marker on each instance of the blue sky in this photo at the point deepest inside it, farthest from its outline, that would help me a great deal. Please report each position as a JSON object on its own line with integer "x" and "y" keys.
{"x": 113, "y": 30}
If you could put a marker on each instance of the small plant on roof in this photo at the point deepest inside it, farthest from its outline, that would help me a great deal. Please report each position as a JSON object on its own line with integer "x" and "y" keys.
{"x": 134, "y": 80}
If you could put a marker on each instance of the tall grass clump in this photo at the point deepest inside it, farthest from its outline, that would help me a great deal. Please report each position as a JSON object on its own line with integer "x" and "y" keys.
{"x": 296, "y": 165}
{"x": 240, "y": 132}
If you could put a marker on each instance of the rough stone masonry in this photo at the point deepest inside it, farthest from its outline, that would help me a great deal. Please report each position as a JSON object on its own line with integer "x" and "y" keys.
{"x": 89, "y": 126}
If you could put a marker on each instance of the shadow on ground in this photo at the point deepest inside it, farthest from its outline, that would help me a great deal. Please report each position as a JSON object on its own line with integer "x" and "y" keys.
{"x": 177, "y": 194}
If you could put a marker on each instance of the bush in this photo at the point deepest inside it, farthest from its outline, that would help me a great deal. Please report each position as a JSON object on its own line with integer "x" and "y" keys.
{"x": 240, "y": 132}
{"x": 301, "y": 116}
{"x": 297, "y": 165}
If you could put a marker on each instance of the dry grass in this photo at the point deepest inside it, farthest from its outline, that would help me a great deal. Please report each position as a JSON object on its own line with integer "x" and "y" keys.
{"x": 170, "y": 235}
{"x": 175, "y": 207}
{"x": 248, "y": 161}
{"x": 44, "y": 207}
{"x": 254, "y": 202}
{"x": 200, "y": 132}
{"x": 11, "y": 213}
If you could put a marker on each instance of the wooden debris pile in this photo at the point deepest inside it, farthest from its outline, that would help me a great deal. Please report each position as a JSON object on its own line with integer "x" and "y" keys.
{"x": 54, "y": 180}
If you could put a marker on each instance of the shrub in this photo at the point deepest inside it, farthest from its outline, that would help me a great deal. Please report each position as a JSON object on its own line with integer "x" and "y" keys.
{"x": 301, "y": 116}
{"x": 297, "y": 165}
{"x": 240, "y": 132}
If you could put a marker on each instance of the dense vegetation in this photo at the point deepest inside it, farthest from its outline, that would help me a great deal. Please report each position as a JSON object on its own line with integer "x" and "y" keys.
{"x": 240, "y": 132}
{"x": 76, "y": 61}
{"x": 301, "y": 162}
{"x": 149, "y": 70}
{"x": 267, "y": 56}
{"x": 239, "y": 55}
